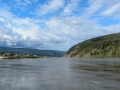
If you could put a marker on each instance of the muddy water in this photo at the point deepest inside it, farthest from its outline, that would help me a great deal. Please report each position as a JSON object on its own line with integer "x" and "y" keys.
{"x": 60, "y": 74}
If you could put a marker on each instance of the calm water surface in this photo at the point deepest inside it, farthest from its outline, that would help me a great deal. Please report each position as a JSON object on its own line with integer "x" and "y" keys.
{"x": 60, "y": 74}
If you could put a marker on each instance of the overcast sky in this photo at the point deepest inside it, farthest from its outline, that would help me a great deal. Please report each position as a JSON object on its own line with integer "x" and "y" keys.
{"x": 56, "y": 24}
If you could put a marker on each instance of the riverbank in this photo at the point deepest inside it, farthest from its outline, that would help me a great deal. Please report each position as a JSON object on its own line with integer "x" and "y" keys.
{"x": 1, "y": 57}
{"x": 19, "y": 57}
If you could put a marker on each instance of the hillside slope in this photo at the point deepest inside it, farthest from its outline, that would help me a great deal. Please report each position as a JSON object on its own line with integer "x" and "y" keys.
{"x": 25, "y": 51}
{"x": 99, "y": 47}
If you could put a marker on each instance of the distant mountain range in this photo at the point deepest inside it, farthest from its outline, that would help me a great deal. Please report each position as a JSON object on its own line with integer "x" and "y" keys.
{"x": 107, "y": 46}
{"x": 26, "y": 51}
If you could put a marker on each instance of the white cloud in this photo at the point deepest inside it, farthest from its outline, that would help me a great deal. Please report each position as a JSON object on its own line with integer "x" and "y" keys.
{"x": 2, "y": 19}
{"x": 70, "y": 7}
{"x": 5, "y": 14}
{"x": 27, "y": 1}
{"x": 58, "y": 32}
{"x": 23, "y": 2}
{"x": 18, "y": 32}
{"x": 35, "y": 1}
{"x": 93, "y": 7}
{"x": 24, "y": 32}
{"x": 113, "y": 28}
{"x": 73, "y": 29}
{"x": 111, "y": 10}
{"x": 101, "y": 7}
{"x": 50, "y": 6}
{"x": 8, "y": 37}
{"x": 22, "y": 5}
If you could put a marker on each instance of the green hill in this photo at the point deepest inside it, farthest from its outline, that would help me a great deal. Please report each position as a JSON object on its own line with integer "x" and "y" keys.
{"x": 99, "y": 47}
{"x": 25, "y": 51}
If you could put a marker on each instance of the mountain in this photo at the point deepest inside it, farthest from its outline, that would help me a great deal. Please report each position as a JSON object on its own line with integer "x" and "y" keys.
{"x": 107, "y": 46}
{"x": 25, "y": 51}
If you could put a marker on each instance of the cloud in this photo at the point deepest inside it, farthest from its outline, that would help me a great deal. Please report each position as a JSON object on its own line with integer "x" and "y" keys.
{"x": 25, "y": 32}
{"x": 7, "y": 36}
{"x": 57, "y": 32}
{"x": 71, "y": 6}
{"x": 113, "y": 28}
{"x": 50, "y": 6}
{"x": 92, "y": 8}
{"x": 111, "y": 10}
{"x": 73, "y": 29}
{"x": 35, "y": 1}
{"x": 23, "y": 2}
{"x": 18, "y": 32}
{"x": 101, "y": 8}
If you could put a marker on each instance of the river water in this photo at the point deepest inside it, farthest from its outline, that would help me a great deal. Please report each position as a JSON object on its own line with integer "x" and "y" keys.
{"x": 60, "y": 74}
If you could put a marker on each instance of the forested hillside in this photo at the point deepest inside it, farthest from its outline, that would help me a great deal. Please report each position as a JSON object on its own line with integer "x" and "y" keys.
{"x": 25, "y": 51}
{"x": 99, "y": 47}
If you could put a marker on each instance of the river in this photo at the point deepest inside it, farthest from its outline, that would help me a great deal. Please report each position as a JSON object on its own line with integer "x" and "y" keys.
{"x": 60, "y": 74}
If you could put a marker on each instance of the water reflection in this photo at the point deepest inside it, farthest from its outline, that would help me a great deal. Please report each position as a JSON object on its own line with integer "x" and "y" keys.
{"x": 60, "y": 74}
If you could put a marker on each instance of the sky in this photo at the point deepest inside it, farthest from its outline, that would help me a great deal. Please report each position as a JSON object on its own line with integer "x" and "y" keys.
{"x": 56, "y": 24}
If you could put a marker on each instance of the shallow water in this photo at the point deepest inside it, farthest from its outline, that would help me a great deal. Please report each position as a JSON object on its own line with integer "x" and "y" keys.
{"x": 60, "y": 74}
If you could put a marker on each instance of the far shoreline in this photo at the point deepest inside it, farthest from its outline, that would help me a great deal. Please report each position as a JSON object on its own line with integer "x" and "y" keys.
{"x": 1, "y": 57}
